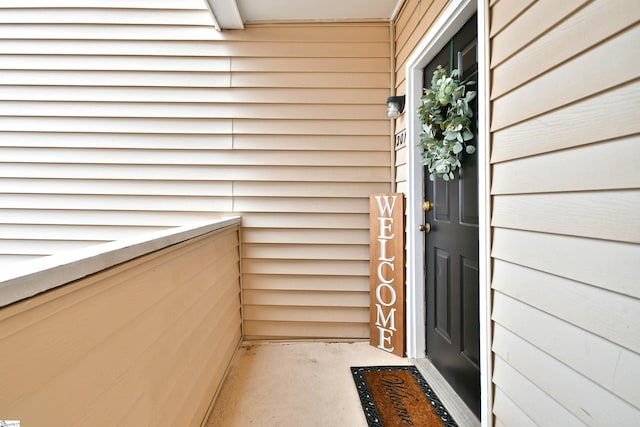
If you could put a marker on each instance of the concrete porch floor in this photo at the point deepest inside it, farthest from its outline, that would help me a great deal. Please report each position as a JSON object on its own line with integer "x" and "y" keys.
{"x": 306, "y": 384}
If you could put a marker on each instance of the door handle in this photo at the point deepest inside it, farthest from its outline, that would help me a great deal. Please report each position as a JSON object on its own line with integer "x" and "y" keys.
{"x": 427, "y": 205}
{"x": 425, "y": 227}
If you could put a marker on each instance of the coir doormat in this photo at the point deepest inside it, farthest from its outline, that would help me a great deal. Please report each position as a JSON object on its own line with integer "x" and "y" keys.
{"x": 399, "y": 396}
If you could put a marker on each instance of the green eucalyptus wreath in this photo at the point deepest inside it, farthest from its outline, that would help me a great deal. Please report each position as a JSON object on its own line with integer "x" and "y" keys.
{"x": 446, "y": 119}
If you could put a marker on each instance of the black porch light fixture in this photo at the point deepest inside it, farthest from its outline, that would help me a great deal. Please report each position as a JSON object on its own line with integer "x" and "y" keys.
{"x": 395, "y": 106}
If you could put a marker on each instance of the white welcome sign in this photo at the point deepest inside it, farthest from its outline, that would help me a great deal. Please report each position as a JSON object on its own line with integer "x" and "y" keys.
{"x": 387, "y": 318}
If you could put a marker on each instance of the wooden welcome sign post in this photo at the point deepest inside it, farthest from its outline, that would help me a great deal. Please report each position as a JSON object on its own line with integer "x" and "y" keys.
{"x": 387, "y": 318}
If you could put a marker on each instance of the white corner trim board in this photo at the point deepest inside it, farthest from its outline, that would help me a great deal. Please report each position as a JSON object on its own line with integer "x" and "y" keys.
{"x": 32, "y": 277}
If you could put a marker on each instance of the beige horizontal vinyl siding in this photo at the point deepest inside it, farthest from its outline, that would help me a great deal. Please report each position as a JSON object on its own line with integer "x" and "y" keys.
{"x": 566, "y": 203}
{"x": 69, "y": 122}
{"x": 144, "y": 343}
{"x": 305, "y": 256}
{"x": 411, "y": 25}
{"x": 120, "y": 119}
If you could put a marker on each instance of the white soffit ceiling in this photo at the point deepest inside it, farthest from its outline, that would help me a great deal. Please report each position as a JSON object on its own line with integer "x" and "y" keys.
{"x": 227, "y": 16}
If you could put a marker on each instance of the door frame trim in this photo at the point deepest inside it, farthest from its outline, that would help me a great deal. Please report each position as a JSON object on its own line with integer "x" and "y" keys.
{"x": 445, "y": 27}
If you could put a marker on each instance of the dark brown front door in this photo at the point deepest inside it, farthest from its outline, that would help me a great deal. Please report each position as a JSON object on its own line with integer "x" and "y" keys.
{"x": 451, "y": 250}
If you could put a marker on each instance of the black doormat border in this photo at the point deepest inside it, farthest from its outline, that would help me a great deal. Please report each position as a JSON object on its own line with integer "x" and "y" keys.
{"x": 369, "y": 406}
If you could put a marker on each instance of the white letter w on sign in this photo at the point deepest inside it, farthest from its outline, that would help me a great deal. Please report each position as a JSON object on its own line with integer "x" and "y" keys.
{"x": 384, "y": 207}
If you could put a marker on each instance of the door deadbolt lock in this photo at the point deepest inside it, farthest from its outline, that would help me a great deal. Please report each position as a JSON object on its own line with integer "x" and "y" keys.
{"x": 426, "y": 205}
{"x": 425, "y": 227}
